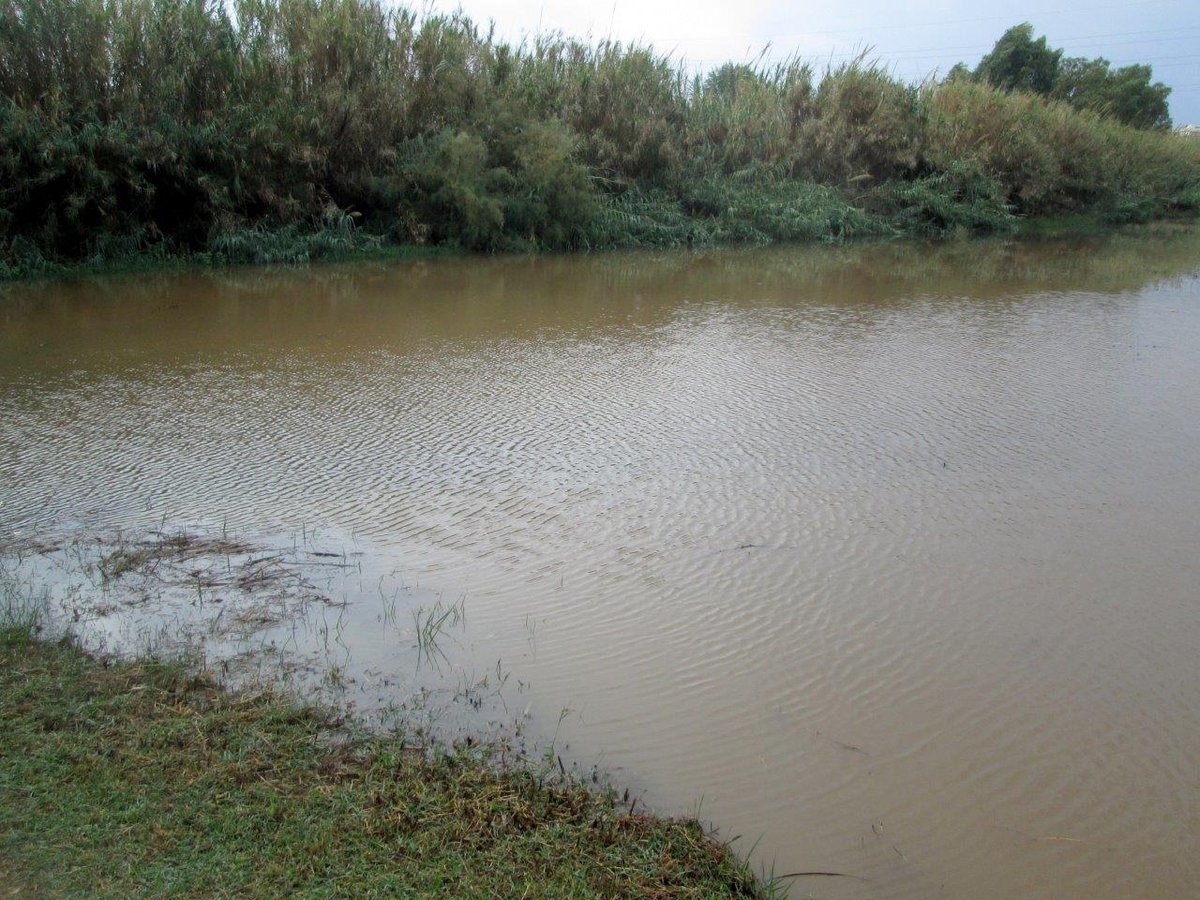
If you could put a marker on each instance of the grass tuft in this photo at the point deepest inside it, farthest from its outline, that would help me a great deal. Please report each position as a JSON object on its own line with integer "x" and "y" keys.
{"x": 139, "y": 779}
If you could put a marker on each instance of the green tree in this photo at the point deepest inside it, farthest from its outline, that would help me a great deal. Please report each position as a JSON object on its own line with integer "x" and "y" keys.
{"x": 1019, "y": 63}
{"x": 1126, "y": 93}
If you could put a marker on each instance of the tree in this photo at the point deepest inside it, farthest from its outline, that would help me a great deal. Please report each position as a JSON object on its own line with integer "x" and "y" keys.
{"x": 1126, "y": 93}
{"x": 1019, "y": 63}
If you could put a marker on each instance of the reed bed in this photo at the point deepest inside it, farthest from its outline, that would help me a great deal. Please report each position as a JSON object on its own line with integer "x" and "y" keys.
{"x": 288, "y": 130}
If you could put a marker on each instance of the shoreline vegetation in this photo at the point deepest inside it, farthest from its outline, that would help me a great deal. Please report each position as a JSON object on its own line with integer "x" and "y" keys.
{"x": 140, "y": 777}
{"x": 148, "y": 132}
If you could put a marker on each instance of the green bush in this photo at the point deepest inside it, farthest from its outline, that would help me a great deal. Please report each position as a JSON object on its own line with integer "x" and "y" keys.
{"x": 962, "y": 198}
{"x": 284, "y": 130}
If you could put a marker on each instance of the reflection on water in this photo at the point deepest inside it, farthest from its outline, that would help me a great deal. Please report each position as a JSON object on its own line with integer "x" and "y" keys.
{"x": 887, "y": 552}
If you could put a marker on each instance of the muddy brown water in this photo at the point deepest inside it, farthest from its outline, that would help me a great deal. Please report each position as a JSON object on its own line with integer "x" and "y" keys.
{"x": 886, "y": 558}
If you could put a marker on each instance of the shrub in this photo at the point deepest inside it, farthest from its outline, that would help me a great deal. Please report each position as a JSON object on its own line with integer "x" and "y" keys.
{"x": 255, "y": 129}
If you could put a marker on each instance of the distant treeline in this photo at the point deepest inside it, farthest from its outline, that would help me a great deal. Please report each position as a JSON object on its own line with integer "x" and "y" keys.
{"x": 280, "y": 130}
{"x": 1020, "y": 63}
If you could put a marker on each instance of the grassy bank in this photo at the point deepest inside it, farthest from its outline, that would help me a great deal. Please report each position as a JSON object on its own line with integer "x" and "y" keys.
{"x": 289, "y": 130}
{"x": 138, "y": 779}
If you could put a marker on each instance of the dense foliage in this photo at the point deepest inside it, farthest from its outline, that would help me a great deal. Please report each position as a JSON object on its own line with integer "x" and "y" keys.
{"x": 1018, "y": 62}
{"x": 1126, "y": 93}
{"x": 279, "y": 130}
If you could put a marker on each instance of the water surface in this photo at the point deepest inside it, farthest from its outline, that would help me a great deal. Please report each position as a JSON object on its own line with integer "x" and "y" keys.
{"x": 886, "y": 556}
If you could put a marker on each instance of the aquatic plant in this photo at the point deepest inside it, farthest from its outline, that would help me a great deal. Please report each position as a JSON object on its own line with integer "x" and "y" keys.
{"x": 289, "y": 130}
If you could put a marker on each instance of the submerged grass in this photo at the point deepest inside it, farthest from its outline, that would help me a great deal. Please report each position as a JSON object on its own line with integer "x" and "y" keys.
{"x": 140, "y": 779}
{"x": 282, "y": 131}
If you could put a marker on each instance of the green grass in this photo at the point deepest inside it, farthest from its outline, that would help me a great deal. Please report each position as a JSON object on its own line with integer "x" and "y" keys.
{"x": 127, "y": 779}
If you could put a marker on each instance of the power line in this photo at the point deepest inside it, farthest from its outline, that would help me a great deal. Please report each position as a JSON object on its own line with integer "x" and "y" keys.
{"x": 915, "y": 54}
{"x": 1162, "y": 62}
{"x": 963, "y": 48}
{"x": 946, "y": 22}
{"x": 1004, "y": 18}
{"x": 1088, "y": 37}
{"x": 1155, "y": 62}
{"x": 969, "y": 47}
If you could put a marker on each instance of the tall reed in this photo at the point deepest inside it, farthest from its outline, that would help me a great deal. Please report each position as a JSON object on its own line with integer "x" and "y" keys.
{"x": 287, "y": 129}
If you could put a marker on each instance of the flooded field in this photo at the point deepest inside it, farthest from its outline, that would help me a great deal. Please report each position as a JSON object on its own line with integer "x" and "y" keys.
{"x": 885, "y": 558}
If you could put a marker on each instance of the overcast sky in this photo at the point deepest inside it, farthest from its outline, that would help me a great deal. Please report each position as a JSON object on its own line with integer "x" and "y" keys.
{"x": 915, "y": 37}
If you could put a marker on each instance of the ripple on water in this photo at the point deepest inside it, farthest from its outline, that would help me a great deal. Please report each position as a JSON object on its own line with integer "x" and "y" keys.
{"x": 892, "y": 560}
